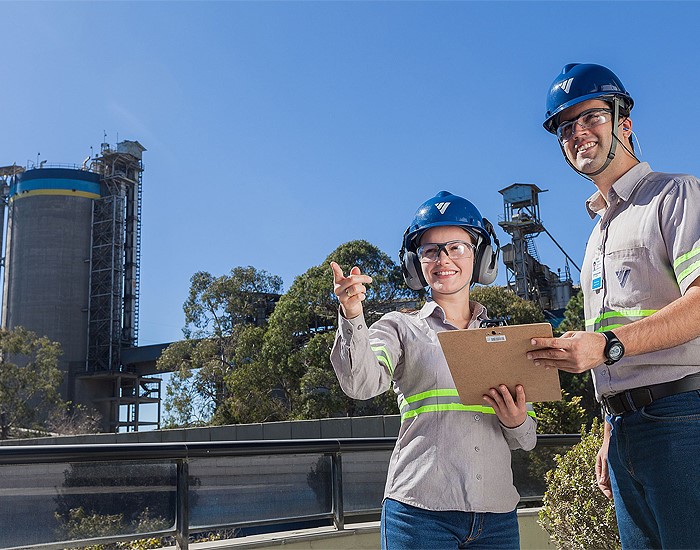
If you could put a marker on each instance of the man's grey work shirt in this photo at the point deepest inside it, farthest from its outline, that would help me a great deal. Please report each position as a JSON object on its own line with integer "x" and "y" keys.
{"x": 448, "y": 456}
{"x": 646, "y": 247}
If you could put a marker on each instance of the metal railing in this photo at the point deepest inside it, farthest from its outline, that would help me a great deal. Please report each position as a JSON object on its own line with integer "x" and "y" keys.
{"x": 207, "y": 478}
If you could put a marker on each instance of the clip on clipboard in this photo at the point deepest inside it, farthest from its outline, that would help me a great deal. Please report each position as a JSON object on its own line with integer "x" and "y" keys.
{"x": 483, "y": 358}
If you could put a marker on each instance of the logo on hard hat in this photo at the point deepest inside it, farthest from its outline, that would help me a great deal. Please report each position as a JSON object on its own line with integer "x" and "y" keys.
{"x": 565, "y": 85}
{"x": 442, "y": 206}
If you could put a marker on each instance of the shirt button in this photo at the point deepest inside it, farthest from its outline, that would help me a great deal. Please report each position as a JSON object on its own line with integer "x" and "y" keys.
{"x": 477, "y": 449}
{"x": 477, "y": 418}
{"x": 604, "y": 371}
{"x": 359, "y": 327}
{"x": 478, "y": 476}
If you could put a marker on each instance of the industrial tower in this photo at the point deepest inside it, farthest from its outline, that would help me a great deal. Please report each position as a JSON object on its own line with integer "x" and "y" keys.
{"x": 71, "y": 273}
{"x": 526, "y": 276}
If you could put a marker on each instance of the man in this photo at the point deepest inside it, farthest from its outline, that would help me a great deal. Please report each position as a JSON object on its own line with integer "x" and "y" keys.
{"x": 641, "y": 285}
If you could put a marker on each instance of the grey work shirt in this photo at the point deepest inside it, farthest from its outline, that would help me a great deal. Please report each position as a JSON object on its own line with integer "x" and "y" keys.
{"x": 448, "y": 456}
{"x": 646, "y": 247}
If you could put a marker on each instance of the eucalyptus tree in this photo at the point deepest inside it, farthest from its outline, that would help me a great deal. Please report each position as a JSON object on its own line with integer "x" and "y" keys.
{"x": 220, "y": 313}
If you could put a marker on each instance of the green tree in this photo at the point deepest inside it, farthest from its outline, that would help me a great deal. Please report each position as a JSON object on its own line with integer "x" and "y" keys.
{"x": 29, "y": 380}
{"x": 220, "y": 314}
{"x": 503, "y": 302}
{"x": 560, "y": 417}
{"x": 573, "y": 315}
{"x": 293, "y": 375}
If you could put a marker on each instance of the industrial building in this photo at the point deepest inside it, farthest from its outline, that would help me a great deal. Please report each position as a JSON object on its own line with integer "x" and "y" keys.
{"x": 72, "y": 237}
{"x": 526, "y": 275}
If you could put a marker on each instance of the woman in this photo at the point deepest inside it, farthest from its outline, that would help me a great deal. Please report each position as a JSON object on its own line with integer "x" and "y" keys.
{"x": 450, "y": 483}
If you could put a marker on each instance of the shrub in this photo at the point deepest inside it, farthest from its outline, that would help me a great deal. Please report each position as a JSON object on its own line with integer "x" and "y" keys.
{"x": 576, "y": 514}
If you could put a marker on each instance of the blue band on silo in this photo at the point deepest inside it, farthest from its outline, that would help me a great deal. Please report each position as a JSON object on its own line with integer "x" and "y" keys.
{"x": 52, "y": 186}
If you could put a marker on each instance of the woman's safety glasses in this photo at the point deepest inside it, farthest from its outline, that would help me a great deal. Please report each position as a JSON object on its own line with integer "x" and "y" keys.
{"x": 430, "y": 252}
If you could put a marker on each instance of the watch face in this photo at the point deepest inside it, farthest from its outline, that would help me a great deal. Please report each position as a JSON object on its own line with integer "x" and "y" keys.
{"x": 615, "y": 351}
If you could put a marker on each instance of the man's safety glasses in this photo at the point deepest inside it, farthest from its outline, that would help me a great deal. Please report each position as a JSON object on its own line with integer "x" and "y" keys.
{"x": 430, "y": 252}
{"x": 587, "y": 119}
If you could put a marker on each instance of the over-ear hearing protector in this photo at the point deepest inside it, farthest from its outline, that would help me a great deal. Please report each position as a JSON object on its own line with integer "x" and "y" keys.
{"x": 410, "y": 267}
{"x": 486, "y": 264}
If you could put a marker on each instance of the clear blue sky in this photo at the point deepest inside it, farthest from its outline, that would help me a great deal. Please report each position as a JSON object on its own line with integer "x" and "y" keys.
{"x": 278, "y": 130}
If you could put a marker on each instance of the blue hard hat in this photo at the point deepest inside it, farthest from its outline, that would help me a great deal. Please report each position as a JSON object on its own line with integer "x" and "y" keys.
{"x": 580, "y": 82}
{"x": 445, "y": 209}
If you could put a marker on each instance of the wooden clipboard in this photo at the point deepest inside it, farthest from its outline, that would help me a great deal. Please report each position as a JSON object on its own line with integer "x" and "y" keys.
{"x": 483, "y": 358}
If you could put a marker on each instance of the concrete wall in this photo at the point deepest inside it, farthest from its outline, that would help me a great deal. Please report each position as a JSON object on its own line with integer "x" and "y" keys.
{"x": 325, "y": 428}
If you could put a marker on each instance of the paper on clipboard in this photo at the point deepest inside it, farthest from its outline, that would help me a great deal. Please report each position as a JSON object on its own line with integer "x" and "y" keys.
{"x": 483, "y": 358}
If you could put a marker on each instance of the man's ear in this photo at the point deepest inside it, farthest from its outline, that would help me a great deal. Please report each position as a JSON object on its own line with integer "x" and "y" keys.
{"x": 627, "y": 126}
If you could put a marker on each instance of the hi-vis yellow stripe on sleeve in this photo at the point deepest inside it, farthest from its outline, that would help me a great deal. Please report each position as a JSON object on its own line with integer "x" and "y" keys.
{"x": 681, "y": 267}
{"x": 383, "y": 357}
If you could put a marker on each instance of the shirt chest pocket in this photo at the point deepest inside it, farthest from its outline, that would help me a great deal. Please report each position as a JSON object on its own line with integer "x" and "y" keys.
{"x": 627, "y": 277}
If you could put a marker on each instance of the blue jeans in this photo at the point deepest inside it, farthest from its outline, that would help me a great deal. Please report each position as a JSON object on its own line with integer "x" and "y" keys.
{"x": 653, "y": 459}
{"x": 406, "y": 527}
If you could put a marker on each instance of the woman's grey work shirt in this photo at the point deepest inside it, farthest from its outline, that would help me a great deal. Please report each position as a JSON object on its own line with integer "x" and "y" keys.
{"x": 448, "y": 456}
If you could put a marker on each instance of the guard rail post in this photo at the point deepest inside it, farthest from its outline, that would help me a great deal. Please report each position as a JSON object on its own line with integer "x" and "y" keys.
{"x": 337, "y": 489}
{"x": 182, "y": 511}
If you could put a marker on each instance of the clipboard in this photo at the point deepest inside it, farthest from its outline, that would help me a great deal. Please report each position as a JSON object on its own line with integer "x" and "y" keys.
{"x": 483, "y": 358}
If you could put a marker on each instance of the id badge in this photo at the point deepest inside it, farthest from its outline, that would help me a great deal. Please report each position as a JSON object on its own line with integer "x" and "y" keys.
{"x": 597, "y": 271}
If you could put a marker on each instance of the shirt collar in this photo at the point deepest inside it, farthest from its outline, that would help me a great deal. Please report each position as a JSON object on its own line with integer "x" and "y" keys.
{"x": 622, "y": 188}
{"x": 431, "y": 307}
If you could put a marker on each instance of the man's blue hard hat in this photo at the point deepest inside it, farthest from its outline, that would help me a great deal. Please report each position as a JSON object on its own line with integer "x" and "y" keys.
{"x": 446, "y": 209}
{"x": 580, "y": 82}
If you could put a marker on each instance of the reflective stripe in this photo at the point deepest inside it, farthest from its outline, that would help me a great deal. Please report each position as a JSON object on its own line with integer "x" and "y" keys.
{"x": 682, "y": 259}
{"x": 432, "y": 393}
{"x": 621, "y": 317}
{"x": 383, "y": 357}
{"x": 440, "y": 404}
{"x": 683, "y": 274}
{"x": 446, "y": 407}
{"x": 685, "y": 257}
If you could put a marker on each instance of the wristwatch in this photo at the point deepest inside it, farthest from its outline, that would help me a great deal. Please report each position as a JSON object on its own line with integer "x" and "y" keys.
{"x": 614, "y": 350}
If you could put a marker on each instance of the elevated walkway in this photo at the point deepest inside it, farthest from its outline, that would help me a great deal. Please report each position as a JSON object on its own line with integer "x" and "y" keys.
{"x": 268, "y": 485}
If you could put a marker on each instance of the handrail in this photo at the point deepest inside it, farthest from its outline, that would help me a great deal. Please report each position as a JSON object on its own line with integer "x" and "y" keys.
{"x": 182, "y": 452}
{"x": 39, "y": 454}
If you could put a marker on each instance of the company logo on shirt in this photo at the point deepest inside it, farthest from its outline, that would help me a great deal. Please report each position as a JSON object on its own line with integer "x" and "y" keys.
{"x": 622, "y": 276}
{"x": 565, "y": 85}
{"x": 442, "y": 206}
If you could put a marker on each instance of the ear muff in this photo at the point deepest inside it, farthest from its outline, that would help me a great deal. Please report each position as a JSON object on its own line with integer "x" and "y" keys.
{"x": 486, "y": 264}
{"x": 411, "y": 268}
{"x": 412, "y": 272}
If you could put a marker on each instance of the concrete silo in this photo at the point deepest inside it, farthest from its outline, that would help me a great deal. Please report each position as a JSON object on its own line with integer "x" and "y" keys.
{"x": 72, "y": 270}
{"x": 47, "y": 258}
